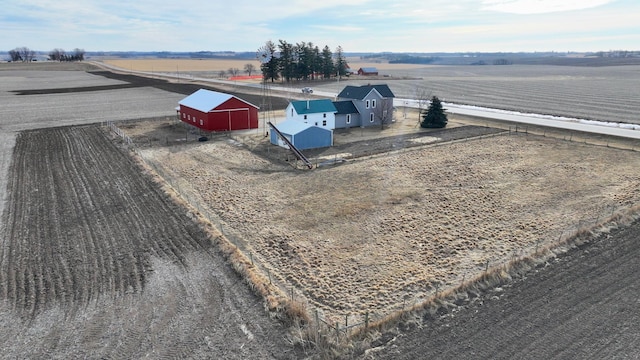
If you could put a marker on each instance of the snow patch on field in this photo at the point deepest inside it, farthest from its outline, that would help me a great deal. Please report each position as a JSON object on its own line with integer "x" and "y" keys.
{"x": 425, "y": 140}
{"x": 620, "y": 125}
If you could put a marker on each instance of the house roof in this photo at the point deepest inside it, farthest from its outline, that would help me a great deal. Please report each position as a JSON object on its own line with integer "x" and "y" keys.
{"x": 314, "y": 106}
{"x": 368, "y": 70}
{"x": 345, "y": 107}
{"x": 292, "y": 127}
{"x": 361, "y": 92}
{"x": 206, "y": 100}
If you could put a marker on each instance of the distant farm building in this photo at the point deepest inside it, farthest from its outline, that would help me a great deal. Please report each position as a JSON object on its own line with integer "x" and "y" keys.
{"x": 215, "y": 111}
{"x": 302, "y": 136}
{"x": 367, "y": 71}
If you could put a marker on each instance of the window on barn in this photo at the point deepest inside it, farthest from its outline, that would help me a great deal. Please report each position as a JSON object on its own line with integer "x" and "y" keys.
{"x": 201, "y": 122}
{"x": 184, "y": 116}
{"x": 367, "y": 104}
{"x": 348, "y": 118}
{"x": 371, "y": 117}
{"x": 373, "y": 103}
{"x": 189, "y": 117}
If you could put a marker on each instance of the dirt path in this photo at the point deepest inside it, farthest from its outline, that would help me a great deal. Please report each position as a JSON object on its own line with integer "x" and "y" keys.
{"x": 96, "y": 261}
{"x": 583, "y": 305}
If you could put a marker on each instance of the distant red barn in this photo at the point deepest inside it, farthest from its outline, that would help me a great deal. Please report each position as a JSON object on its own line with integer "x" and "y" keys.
{"x": 367, "y": 71}
{"x": 215, "y": 111}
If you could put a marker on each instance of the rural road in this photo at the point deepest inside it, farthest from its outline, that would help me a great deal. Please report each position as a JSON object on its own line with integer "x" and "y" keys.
{"x": 631, "y": 131}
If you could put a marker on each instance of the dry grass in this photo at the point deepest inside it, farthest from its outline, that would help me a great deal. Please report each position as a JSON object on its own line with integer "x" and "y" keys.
{"x": 384, "y": 233}
{"x": 181, "y": 65}
{"x": 430, "y": 225}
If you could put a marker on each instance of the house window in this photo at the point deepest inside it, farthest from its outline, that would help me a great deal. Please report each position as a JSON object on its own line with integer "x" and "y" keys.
{"x": 316, "y": 123}
{"x": 373, "y": 103}
{"x": 201, "y": 122}
{"x": 291, "y": 112}
{"x": 305, "y": 117}
{"x": 367, "y": 104}
{"x": 371, "y": 117}
{"x": 189, "y": 117}
{"x": 348, "y": 118}
{"x": 324, "y": 115}
{"x": 324, "y": 122}
{"x": 184, "y": 116}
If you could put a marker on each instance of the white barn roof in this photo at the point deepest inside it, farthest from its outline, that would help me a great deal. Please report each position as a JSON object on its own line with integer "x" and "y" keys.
{"x": 292, "y": 127}
{"x": 205, "y": 100}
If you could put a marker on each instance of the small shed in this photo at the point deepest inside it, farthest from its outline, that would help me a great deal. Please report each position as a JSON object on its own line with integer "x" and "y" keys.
{"x": 367, "y": 71}
{"x": 302, "y": 136}
{"x": 216, "y": 111}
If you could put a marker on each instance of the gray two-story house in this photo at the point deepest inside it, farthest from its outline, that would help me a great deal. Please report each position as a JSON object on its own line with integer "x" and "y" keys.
{"x": 373, "y": 103}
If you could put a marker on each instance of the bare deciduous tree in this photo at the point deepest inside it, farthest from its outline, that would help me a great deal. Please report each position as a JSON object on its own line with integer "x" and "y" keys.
{"x": 383, "y": 112}
{"x": 78, "y": 54}
{"x": 26, "y": 54}
{"x": 56, "y": 55}
{"x": 422, "y": 96}
{"x": 15, "y": 55}
{"x": 249, "y": 68}
{"x": 233, "y": 71}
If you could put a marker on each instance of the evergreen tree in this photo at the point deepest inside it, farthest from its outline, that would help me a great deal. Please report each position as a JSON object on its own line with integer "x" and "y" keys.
{"x": 328, "y": 68}
{"x": 270, "y": 69}
{"x": 434, "y": 117}
{"x": 287, "y": 61}
{"x": 340, "y": 63}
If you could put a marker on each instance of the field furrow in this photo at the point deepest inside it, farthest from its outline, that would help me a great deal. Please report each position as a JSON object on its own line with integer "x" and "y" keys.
{"x": 98, "y": 262}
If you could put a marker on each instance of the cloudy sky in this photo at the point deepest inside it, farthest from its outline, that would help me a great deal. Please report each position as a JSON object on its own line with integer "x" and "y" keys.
{"x": 356, "y": 25}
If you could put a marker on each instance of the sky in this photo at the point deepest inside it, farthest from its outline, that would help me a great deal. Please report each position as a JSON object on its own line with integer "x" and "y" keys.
{"x": 356, "y": 25}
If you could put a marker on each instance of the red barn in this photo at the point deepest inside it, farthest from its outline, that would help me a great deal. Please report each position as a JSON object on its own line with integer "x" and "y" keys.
{"x": 215, "y": 111}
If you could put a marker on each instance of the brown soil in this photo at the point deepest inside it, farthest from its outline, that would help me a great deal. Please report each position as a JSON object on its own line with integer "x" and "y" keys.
{"x": 98, "y": 262}
{"x": 581, "y": 305}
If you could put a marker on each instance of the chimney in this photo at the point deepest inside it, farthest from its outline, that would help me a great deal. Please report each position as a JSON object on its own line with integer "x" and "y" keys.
{"x": 307, "y": 104}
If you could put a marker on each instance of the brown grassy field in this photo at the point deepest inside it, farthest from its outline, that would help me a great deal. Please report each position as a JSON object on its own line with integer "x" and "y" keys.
{"x": 216, "y": 65}
{"x": 380, "y": 234}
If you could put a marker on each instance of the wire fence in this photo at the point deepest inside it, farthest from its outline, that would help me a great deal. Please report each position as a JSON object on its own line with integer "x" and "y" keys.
{"x": 337, "y": 327}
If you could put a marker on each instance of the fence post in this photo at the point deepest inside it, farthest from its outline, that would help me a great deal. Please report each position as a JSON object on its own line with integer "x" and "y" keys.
{"x": 337, "y": 332}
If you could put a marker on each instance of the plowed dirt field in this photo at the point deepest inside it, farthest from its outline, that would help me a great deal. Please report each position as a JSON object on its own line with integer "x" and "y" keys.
{"x": 584, "y": 305}
{"x": 97, "y": 262}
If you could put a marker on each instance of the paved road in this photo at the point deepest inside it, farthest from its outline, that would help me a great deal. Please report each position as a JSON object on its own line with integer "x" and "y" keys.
{"x": 533, "y": 119}
{"x": 530, "y": 119}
